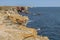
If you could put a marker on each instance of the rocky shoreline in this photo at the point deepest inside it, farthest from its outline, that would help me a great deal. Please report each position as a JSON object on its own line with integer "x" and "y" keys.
{"x": 13, "y": 26}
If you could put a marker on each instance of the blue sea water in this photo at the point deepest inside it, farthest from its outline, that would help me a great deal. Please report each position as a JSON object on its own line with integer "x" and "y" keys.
{"x": 48, "y": 21}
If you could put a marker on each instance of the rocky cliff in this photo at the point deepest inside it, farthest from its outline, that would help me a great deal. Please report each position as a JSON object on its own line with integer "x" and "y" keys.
{"x": 13, "y": 27}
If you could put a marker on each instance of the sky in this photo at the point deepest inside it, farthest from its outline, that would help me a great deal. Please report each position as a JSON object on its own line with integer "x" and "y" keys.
{"x": 33, "y": 3}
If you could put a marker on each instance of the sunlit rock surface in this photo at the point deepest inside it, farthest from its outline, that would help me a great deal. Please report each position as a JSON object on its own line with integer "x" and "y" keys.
{"x": 13, "y": 27}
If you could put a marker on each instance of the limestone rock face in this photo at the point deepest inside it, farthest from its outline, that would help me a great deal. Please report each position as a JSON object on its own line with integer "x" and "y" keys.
{"x": 13, "y": 27}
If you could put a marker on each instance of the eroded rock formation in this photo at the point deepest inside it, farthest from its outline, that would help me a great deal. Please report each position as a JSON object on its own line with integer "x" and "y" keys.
{"x": 13, "y": 27}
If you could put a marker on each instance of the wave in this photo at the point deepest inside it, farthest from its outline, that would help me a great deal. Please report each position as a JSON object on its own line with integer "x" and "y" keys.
{"x": 30, "y": 21}
{"x": 38, "y": 29}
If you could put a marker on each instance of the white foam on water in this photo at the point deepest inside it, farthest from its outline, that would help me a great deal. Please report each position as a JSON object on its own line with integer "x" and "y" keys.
{"x": 30, "y": 21}
{"x": 38, "y": 29}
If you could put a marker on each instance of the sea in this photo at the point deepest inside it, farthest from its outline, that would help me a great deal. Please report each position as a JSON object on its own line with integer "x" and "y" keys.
{"x": 47, "y": 19}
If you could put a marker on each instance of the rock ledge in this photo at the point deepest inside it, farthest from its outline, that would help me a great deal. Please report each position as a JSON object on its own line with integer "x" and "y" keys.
{"x": 13, "y": 27}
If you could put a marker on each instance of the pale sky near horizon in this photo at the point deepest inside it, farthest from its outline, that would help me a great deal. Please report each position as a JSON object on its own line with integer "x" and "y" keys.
{"x": 34, "y": 3}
